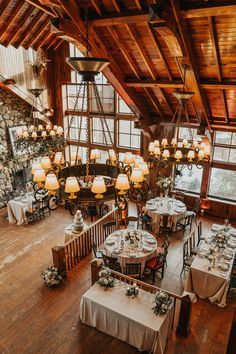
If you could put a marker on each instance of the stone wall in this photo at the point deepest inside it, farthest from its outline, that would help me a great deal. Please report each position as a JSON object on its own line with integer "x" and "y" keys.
{"x": 13, "y": 111}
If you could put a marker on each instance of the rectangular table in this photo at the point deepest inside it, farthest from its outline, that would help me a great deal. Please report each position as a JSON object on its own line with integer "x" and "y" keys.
{"x": 211, "y": 284}
{"x": 130, "y": 320}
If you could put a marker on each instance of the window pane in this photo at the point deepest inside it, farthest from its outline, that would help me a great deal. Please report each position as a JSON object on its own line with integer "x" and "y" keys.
{"x": 135, "y": 141}
{"x": 124, "y": 126}
{"x": 124, "y": 140}
{"x": 223, "y": 184}
{"x": 221, "y": 154}
{"x": 234, "y": 139}
{"x": 187, "y": 133}
{"x": 190, "y": 180}
{"x": 232, "y": 156}
{"x": 123, "y": 107}
{"x": 223, "y": 138}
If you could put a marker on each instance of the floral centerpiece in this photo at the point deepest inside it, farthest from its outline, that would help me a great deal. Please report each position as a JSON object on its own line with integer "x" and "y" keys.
{"x": 105, "y": 279}
{"x": 133, "y": 237}
{"x": 166, "y": 183}
{"x": 132, "y": 291}
{"x": 162, "y": 302}
{"x": 51, "y": 277}
{"x": 221, "y": 238}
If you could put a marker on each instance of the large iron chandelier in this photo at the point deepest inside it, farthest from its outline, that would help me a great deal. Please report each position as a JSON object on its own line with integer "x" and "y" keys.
{"x": 180, "y": 151}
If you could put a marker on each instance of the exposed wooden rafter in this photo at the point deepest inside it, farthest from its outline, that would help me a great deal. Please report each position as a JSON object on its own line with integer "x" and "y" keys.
{"x": 47, "y": 10}
{"x": 154, "y": 83}
{"x": 37, "y": 34}
{"x": 44, "y": 40}
{"x": 222, "y": 10}
{"x": 29, "y": 30}
{"x": 97, "y": 6}
{"x": 154, "y": 101}
{"x": 11, "y": 19}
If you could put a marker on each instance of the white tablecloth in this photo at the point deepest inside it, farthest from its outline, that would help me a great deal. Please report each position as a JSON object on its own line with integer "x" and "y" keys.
{"x": 16, "y": 209}
{"x": 130, "y": 320}
{"x": 70, "y": 234}
{"x": 138, "y": 254}
{"x": 158, "y": 206}
{"x": 211, "y": 284}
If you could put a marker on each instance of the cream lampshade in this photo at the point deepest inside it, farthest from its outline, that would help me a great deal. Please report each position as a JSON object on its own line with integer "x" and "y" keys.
{"x": 178, "y": 155}
{"x": 201, "y": 154}
{"x": 144, "y": 168}
{"x": 95, "y": 154}
{"x": 36, "y": 166}
{"x": 157, "y": 151}
{"x": 39, "y": 177}
{"x": 166, "y": 154}
{"x": 25, "y": 134}
{"x": 52, "y": 133}
{"x": 44, "y": 134}
{"x": 98, "y": 187}
{"x": 19, "y": 133}
{"x": 72, "y": 186}
{"x": 48, "y": 127}
{"x": 164, "y": 143}
{"x": 31, "y": 128}
{"x": 40, "y": 127}
{"x": 173, "y": 142}
{"x": 191, "y": 155}
{"x": 137, "y": 177}
{"x": 129, "y": 158}
{"x": 55, "y": 128}
{"x": 122, "y": 183}
{"x": 46, "y": 163}
{"x": 151, "y": 147}
{"x": 59, "y": 130}
{"x": 51, "y": 183}
{"x": 156, "y": 143}
{"x": 58, "y": 158}
{"x": 34, "y": 135}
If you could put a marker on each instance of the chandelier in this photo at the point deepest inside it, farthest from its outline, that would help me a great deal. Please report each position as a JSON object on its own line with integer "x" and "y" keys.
{"x": 180, "y": 151}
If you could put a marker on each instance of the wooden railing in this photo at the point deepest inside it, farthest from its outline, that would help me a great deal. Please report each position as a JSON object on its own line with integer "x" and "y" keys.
{"x": 67, "y": 256}
{"x": 181, "y": 304}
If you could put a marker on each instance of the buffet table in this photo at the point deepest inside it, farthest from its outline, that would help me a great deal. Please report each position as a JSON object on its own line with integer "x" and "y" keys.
{"x": 116, "y": 245}
{"x": 130, "y": 320}
{"x": 17, "y": 207}
{"x": 159, "y": 206}
{"x": 208, "y": 280}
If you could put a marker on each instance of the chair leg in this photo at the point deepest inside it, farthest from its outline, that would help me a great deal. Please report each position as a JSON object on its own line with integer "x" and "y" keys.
{"x": 153, "y": 276}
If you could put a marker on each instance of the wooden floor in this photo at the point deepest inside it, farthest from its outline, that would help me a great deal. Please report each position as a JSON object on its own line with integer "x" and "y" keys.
{"x": 34, "y": 319}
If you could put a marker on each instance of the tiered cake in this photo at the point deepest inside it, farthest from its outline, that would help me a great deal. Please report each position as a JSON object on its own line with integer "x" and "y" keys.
{"x": 78, "y": 223}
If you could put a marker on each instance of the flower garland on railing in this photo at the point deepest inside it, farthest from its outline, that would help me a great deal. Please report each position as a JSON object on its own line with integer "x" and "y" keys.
{"x": 51, "y": 277}
{"x": 132, "y": 291}
{"x": 105, "y": 279}
{"x": 162, "y": 302}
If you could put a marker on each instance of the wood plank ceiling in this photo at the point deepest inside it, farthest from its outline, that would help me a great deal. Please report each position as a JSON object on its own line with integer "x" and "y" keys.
{"x": 147, "y": 58}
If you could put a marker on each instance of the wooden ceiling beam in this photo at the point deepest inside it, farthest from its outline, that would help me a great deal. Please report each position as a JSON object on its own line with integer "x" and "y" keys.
{"x": 58, "y": 44}
{"x": 165, "y": 98}
{"x": 3, "y": 6}
{"x": 43, "y": 39}
{"x": 13, "y": 37}
{"x": 141, "y": 51}
{"x": 116, "y": 6}
{"x": 192, "y": 77}
{"x": 128, "y": 18}
{"x": 37, "y": 34}
{"x": 47, "y": 10}
{"x": 224, "y": 85}
{"x": 159, "y": 50}
{"x": 54, "y": 40}
{"x": 139, "y": 6}
{"x": 125, "y": 52}
{"x": 225, "y": 106}
{"x": 113, "y": 73}
{"x": 7, "y": 24}
{"x": 154, "y": 101}
{"x": 97, "y": 6}
{"x": 30, "y": 28}
{"x": 222, "y": 10}
{"x": 154, "y": 83}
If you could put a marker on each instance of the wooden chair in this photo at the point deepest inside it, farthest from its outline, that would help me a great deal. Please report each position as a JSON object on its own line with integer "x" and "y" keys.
{"x": 109, "y": 227}
{"x": 133, "y": 270}
{"x": 111, "y": 262}
{"x": 36, "y": 209}
{"x": 151, "y": 194}
{"x": 133, "y": 220}
{"x": 178, "y": 195}
{"x": 185, "y": 224}
{"x": 156, "y": 265}
{"x": 195, "y": 210}
{"x": 187, "y": 258}
{"x": 44, "y": 205}
{"x": 30, "y": 217}
{"x": 194, "y": 248}
{"x": 165, "y": 246}
{"x": 98, "y": 253}
{"x": 143, "y": 218}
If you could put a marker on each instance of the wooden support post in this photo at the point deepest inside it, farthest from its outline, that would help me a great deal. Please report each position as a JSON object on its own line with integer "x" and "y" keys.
{"x": 59, "y": 259}
{"x": 95, "y": 267}
{"x": 184, "y": 317}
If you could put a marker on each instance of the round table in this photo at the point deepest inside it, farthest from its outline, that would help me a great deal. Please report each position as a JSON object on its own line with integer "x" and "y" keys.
{"x": 173, "y": 207}
{"x": 140, "y": 253}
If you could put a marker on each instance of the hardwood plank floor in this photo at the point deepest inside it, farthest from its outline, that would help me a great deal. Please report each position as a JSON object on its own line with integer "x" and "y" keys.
{"x": 34, "y": 319}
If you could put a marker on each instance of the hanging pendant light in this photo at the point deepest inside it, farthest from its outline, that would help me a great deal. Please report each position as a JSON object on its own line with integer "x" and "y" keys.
{"x": 98, "y": 187}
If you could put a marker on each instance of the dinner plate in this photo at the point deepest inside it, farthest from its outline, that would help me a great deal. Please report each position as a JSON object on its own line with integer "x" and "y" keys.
{"x": 110, "y": 242}
{"x": 147, "y": 248}
{"x": 151, "y": 240}
{"x": 224, "y": 267}
{"x": 228, "y": 256}
{"x": 132, "y": 255}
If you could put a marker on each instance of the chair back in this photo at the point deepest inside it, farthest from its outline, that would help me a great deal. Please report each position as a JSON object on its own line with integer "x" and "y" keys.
{"x": 192, "y": 239}
{"x": 109, "y": 262}
{"x": 160, "y": 259}
{"x": 109, "y": 227}
{"x": 94, "y": 248}
{"x": 185, "y": 249}
{"x": 133, "y": 270}
{"x": 35, "y": 205}
{"x": 199, "y": 232}
{"x": 178, "y": 195}
{"x": 197, "y": 205}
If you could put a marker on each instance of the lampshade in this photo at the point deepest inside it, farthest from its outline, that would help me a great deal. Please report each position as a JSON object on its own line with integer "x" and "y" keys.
{"x": 34, "y": 135}
{"x": 166, "y": 154}
{"x": 19, "y": 133}
{"x": 122, "y": 183}
{"x": 31, "y": 128}
{"x": 51, "y": 183}
{"x": 98, "y": 186}
{"x": 59, "y": 130}
{"x": 55, "y": 128}
{"x": 48, "y": 127}
{"x": 173, "y": 142}
{"x": 25, "y": 134}
{"x": 151, "y": 147}
{"x": 44, "y": 134}
{"x": 129, "y": 158}
{"x": 95, "y": 154}
{"x": 178, "y": 155}
{"x": 201, "y": 154}
{"x": 40, "y": 127}
{"x": 112, "y": 155}
{"x": 157, "y": 151}
{"x": 72, "y": 186}
{"x": 36, "y": 166}
{"x": 52, "y": 133}
{"x": 156, "y": 143}
{"x": 185, "y": 143}
{"x": 136, "y": 175}
{"x": 58, "y": 158}
{"x": 39, "y": 175}
{"x": 164, "y": 142}
{"x": 46, "y": 163}
{"x": 144, "y": 168}
{"x": 191, "y": 155}
{"x": 195, "y": 143}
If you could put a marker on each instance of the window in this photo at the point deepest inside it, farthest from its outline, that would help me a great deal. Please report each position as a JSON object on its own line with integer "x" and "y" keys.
{"x": 128, "y": 135}
{"x": 73, "y": 149}
{"x": 123, "y": 107}
{"x": 97, "y": 131}
{"x": 106, "y": 93}
{"x": 190, "y": 180}
{"x": 75, "y": 127}
{"x": 225, "y": 147}
{"x": 187, "y": 133}
{"x": 223, "y": 184}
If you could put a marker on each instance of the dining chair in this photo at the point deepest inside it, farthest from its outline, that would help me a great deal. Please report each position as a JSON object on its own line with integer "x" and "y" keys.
{"x": 44, "y": 205}
{"x": 143, "y": 218}
{"x": 133, "y": 220}
{"x": 187, "y": 258}
{"x": 194, "y": 212}
{"x": 156, "y": 265}
{"x": 133, "y": 270}
{"x": 98, "y": 253}
{"x": 109, "y": 227}
{"x": 36, "y": 209}
{"x": 185, "y": 224}
{"x": 178, "y": 195}
{"x": 194, "y": 246}
{"x": 111, "y": 262}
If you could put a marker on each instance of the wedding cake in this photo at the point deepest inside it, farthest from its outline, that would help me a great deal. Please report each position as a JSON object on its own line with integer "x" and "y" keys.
{"x": 78, "y": 223}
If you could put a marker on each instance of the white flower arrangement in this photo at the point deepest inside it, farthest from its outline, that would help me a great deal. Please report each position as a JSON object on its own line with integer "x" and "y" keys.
{"x": 51, "y": 277}
{"x": 162, "y": 302}
{"x": 165, "y": 183}
{"x": 105, "y": 279}
{"x": 132, "y": 291}
{"x": 132, "y": 237}
{"x": 220, "y": 239}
